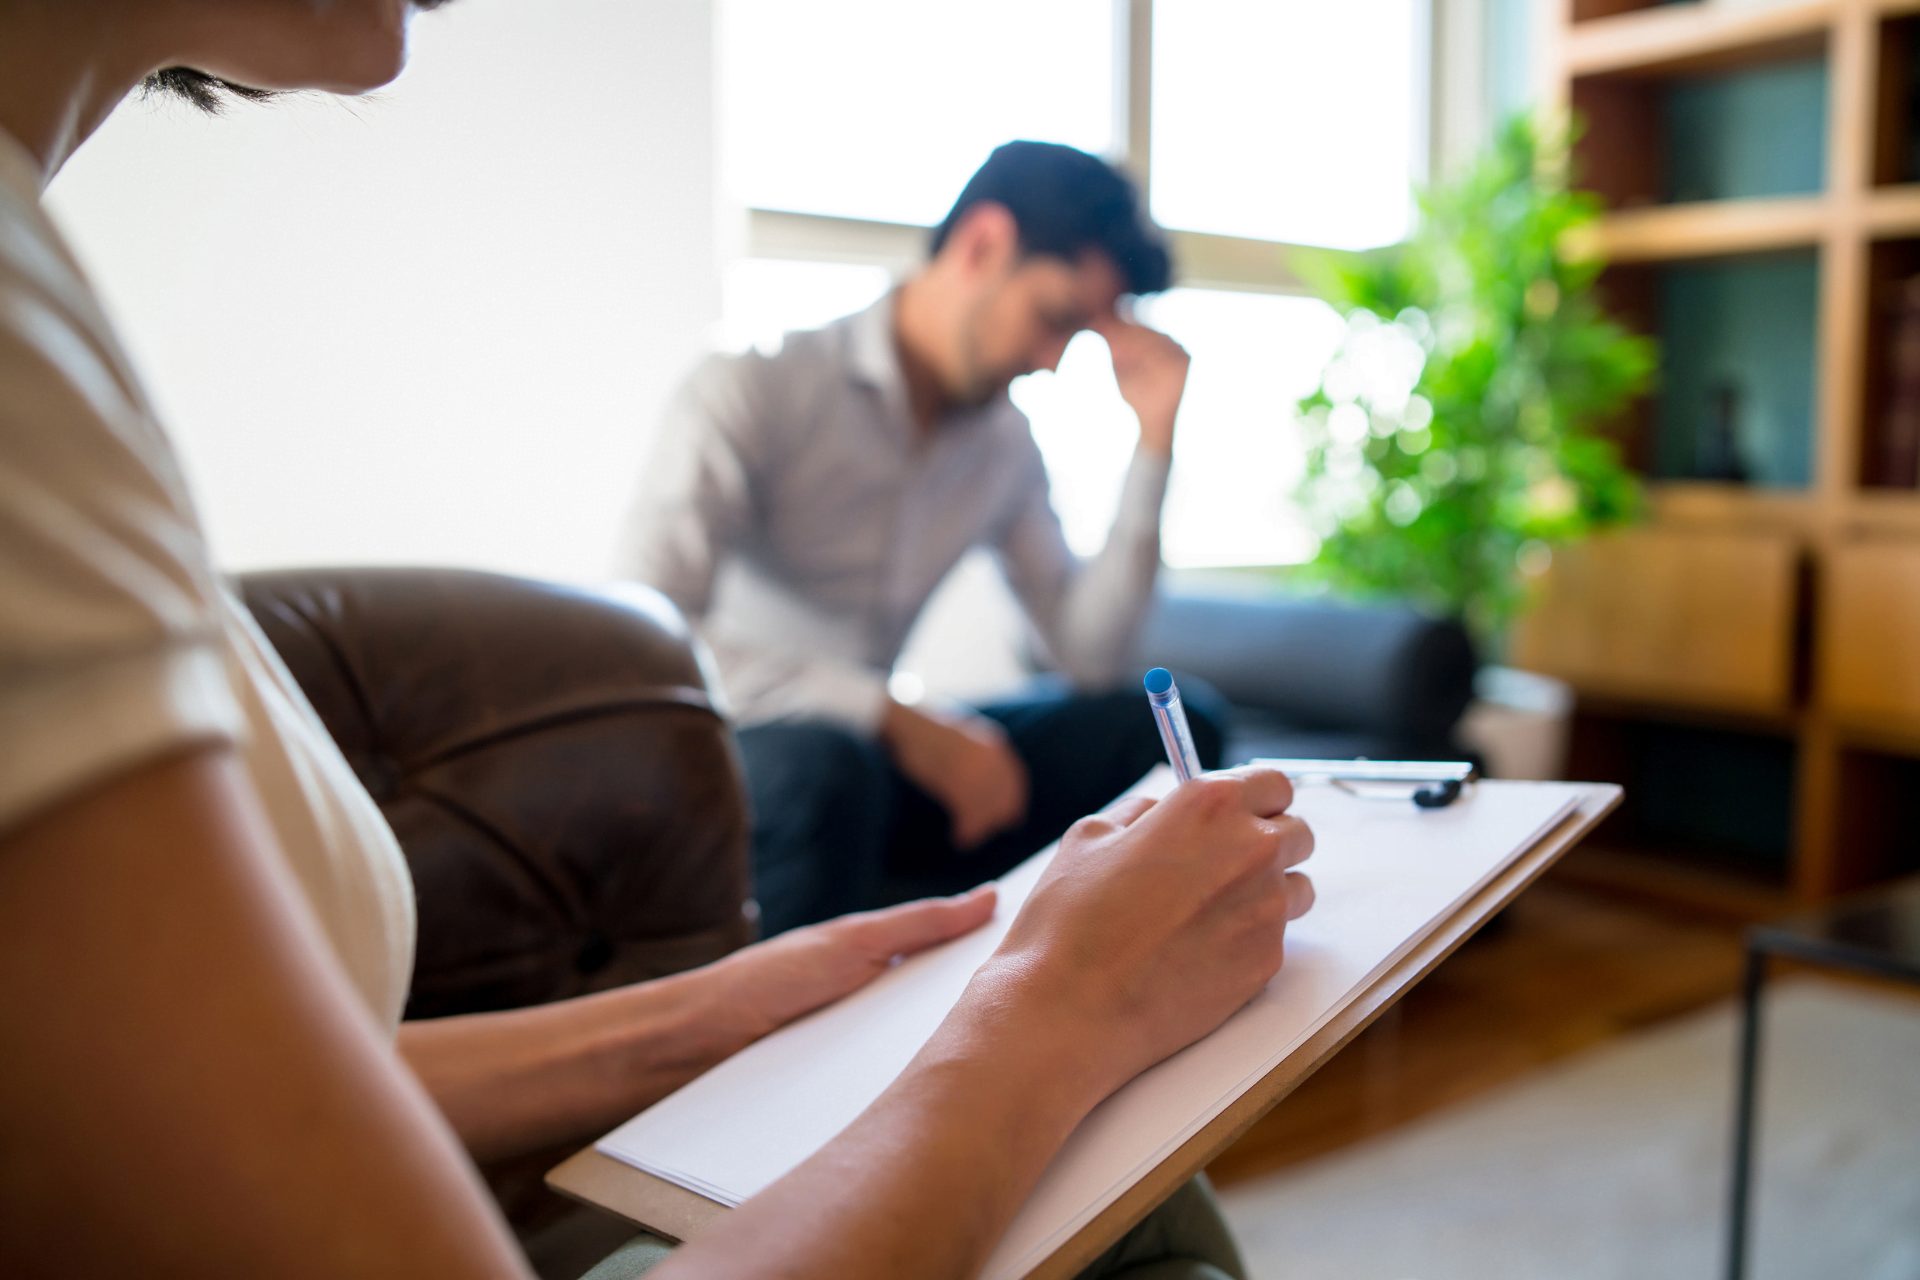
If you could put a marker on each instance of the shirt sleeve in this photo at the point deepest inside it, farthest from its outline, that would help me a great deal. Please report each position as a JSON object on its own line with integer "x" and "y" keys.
{"x": 697, "y": 503}
{"x": 1089, "y": 613}
{"x": 109, "y": 635}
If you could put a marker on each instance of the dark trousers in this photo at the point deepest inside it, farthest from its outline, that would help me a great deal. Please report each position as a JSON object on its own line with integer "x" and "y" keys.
{"x": 836, "y": 828}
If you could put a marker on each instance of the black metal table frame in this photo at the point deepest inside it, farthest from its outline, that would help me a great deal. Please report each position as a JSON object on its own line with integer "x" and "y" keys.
{"x": 1765, "y": 942}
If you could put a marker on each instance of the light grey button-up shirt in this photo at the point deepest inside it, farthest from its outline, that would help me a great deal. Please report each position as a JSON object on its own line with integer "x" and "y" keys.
{"x": 795, "y": 511}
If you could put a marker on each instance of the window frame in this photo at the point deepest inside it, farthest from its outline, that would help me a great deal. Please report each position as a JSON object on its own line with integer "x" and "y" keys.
{"x": 1450, "y": 42}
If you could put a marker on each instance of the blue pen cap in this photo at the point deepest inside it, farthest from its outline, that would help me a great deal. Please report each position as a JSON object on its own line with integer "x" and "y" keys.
{"x": 1158, "y": 682}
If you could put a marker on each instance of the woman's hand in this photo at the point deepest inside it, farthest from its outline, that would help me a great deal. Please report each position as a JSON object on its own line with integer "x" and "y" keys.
{"x": 1154, "y": 923}
{"x": 1152, "y": 926}
{"x": 771, "y": 983}
{"x": 526, "y": 1080}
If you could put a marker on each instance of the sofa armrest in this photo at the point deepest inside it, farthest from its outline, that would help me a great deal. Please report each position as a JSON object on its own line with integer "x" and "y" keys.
{"x": 1385, "y": 672}
{"x": 567, "y": 797}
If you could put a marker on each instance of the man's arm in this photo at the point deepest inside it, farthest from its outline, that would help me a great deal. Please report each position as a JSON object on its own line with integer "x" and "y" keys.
{"x": 696, "y": 505}
{"x": 1090, "y": 613}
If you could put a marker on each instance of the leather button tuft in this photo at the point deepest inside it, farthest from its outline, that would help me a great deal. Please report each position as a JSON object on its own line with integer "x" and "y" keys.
{"x": 595, "y": 954}
{"x": 380, "y": 775}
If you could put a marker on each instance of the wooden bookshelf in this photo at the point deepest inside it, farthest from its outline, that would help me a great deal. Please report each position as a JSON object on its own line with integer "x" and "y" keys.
{"x": 1786, "y": 618}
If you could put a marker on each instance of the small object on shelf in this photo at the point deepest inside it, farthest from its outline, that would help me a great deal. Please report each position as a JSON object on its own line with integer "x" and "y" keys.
{"x": 1716, "y": 453}
{"x": 1899, "y": 460}
{"x": 1910, "y": 152}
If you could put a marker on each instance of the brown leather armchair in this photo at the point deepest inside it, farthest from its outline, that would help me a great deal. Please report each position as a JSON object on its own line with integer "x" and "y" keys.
{"x": 567, "y": 796}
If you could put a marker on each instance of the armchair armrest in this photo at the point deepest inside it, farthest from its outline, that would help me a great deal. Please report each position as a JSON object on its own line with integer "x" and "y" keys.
{"x": 567, "y": 797}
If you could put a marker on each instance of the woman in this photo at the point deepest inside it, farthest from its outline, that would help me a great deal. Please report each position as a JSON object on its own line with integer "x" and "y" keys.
{"x": 206, "y": 930}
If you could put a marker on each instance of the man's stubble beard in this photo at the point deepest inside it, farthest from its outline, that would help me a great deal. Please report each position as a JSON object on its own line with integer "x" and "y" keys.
{"x": 978, "y": 384}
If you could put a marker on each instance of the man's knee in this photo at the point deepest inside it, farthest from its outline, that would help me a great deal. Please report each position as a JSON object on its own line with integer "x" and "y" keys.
{"x": 821, "y": 770}
{"x": 1122, "y": 715}
{"x": 821, "y": 799}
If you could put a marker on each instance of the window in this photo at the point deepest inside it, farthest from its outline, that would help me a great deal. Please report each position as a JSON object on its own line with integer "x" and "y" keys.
{"x": 1230, "y": 153}
{"x": 762, "y": 299}
{"x": 1258, "y": 127}
{"x": 879, "y": 109}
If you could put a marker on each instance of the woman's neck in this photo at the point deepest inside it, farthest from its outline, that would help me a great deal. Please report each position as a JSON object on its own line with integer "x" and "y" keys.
{"x": 60, "y": 78}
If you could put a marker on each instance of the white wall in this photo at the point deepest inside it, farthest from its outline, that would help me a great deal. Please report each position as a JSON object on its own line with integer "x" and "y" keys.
{"x": 433, "y": 326}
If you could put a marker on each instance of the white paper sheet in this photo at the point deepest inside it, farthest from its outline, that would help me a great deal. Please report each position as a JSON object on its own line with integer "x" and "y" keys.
{"x": 1385, "y": 873}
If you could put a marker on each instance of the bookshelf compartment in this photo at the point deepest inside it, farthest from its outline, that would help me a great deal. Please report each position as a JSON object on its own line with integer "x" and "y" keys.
{"x": 1896, "y": 115}
{"x": 1877, "y": 812}
{"x": 1676, "y": 617}
{"x": 1733, "y": 402}
{"x": 1751, "y": 133}
{"x": 1889, "y": 459}
{"x": 1701, "y": 796}
{"x": 1870, "y": 634}
{"x": 1737, "y": 389}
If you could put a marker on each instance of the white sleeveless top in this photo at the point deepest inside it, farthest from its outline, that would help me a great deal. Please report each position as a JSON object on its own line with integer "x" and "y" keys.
{"x": 118, "y": 642}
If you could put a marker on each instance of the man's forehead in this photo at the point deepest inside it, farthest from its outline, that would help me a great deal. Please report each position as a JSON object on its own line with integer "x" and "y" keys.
{"x": 1090, "y": 281}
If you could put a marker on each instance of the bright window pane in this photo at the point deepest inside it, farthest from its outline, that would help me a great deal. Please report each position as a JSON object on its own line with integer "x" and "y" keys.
{"x": 881, "y": 109}
{"x": 1287, "y": 120}
{"x": 1237, "y": 456}
{"x": 764, "y": 299}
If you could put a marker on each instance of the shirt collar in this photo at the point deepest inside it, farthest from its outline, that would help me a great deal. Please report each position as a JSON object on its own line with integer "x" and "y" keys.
{"x": 872, "y": 356}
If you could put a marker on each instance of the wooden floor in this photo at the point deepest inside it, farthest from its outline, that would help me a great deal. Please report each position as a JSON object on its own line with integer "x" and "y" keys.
{"x": 1568, "y": 966}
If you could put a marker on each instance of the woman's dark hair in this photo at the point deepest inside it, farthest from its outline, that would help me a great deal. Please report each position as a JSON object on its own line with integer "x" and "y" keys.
{"x": 1065, "y": 202}
{"x": 209, "y": 93}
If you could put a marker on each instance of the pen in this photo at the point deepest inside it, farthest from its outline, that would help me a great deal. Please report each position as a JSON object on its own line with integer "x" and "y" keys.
{"x": 1164, "y": 697}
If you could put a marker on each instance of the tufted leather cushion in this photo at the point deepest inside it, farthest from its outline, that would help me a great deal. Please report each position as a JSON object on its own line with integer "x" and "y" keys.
{"x": 567, "y": 797}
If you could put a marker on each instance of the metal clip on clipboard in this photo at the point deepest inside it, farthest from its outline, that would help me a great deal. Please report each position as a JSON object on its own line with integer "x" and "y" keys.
{"x": 1430, "y": 784}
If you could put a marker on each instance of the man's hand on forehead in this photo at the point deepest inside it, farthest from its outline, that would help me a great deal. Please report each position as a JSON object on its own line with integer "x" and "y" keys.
{"x": 1150, "y": 369}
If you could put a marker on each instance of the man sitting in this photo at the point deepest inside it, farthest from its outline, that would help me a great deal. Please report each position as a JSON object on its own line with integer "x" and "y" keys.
{"x": 803, "y": 506}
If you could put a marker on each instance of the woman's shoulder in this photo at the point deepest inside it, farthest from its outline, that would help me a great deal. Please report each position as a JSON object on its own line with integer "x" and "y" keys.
{"x": 110, "y": 646}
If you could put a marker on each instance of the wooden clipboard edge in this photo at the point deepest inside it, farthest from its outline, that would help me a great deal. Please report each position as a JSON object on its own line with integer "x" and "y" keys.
{"x": 670, "y": 1210}
{"x": 1146, "y": 1195}
{"x": 664, "y": 1208}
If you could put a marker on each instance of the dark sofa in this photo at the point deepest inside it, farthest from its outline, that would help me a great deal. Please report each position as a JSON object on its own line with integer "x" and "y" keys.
{"x": 1309, "y": 677}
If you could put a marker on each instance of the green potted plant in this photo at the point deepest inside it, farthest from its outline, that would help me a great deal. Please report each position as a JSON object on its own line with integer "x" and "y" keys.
{"x": 1456, "y": 436}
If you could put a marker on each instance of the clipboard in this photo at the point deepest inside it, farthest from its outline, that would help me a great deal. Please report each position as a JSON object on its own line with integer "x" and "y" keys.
{"x": 672, "y": 1211}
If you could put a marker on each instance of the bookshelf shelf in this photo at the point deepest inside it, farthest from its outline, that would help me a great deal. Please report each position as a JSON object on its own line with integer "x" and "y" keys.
{"x": 1894, "y": 211}
{"x": 1881, "y": 512}
{"x": 1721, "y": 227}
{"x": 1678, "y": 38}
{"x": 1702, "y": 504}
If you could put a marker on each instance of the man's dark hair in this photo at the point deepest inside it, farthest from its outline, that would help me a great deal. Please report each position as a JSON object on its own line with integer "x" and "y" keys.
{"x": 1065, "y": 202}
